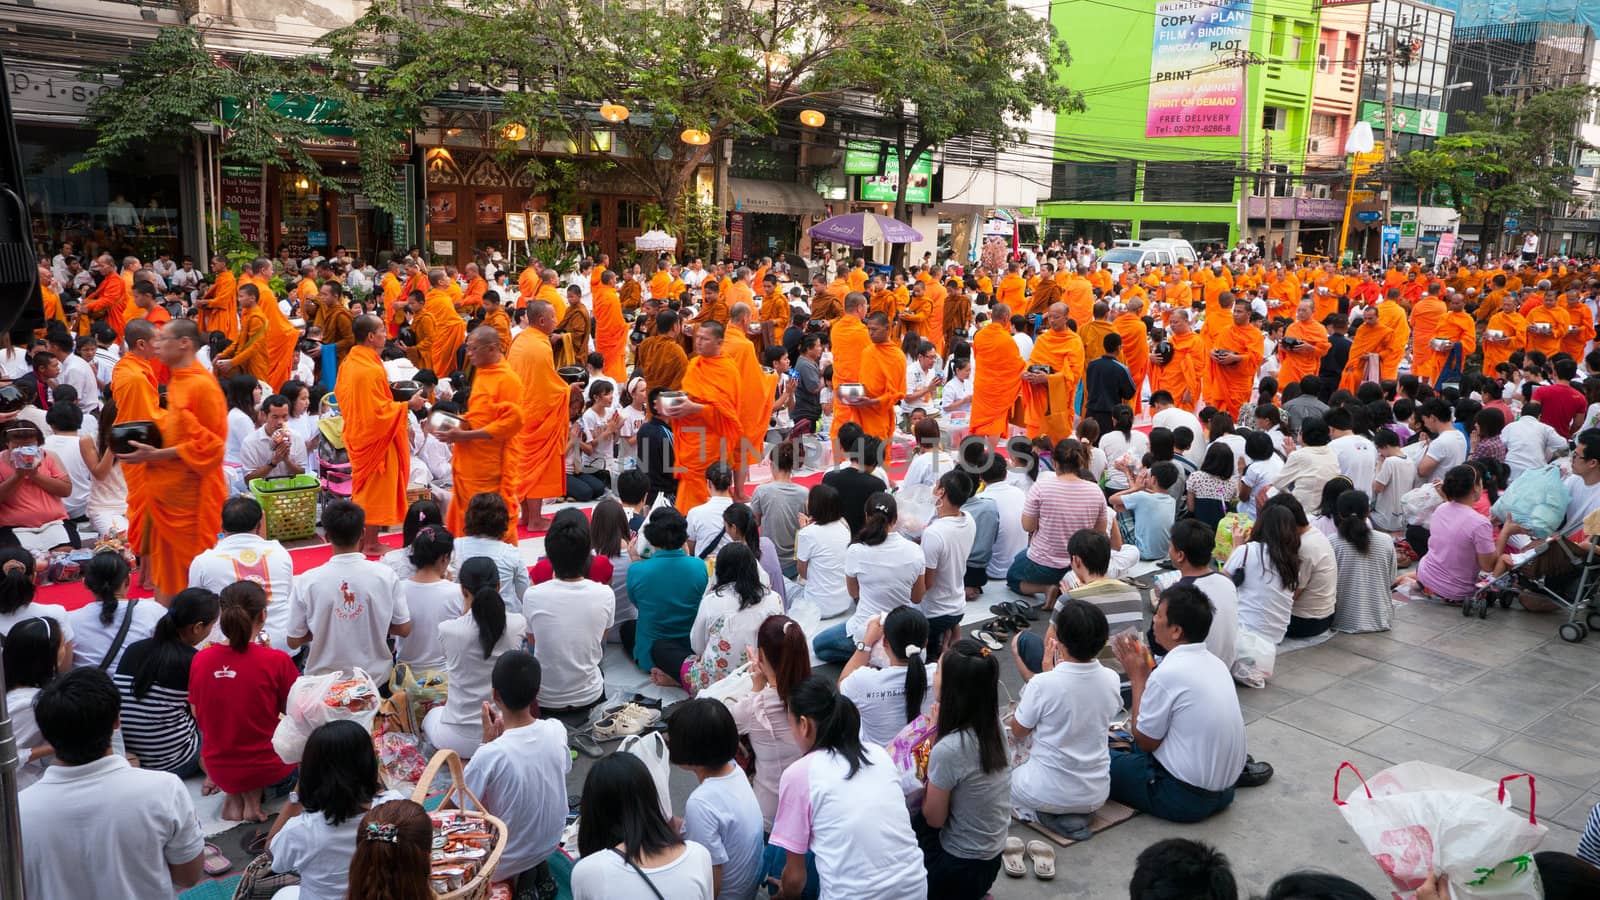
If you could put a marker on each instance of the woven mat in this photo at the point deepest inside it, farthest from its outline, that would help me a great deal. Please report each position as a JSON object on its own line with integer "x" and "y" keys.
{"x": 1113, "y": 813}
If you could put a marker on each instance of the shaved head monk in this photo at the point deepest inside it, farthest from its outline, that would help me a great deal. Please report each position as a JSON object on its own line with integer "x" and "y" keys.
{"x": 610, "y": 329}
{"x": 660, "y": 356}
{"x": 219, "y": 307}
{"x": 550, "y": 293}
{"x": 449, "y": 329}
{"x": 1135, "y": 346}
{"x": 249, "y": 350}
{"x": 1183, "y": 373}
{"x": 540, "y": 446}
{"x": 883, "y": 374}
{"x": 849, "y": 339}
{"x": 1311, "y": 343}
{"x": 997, "y": 381}
{"x": 185, "y": 473}
{"x": 755, "y": 400}
{"x": 281, "y": 335}
{"x": 705, "y": 427}
{"x": 483, "y": 458}
{"x": 376, "y": 432}
{"x": 1366, "y": 352}
{"x": 109, "y": 300}
{"x": 1047, "y": 399}
{"x": 137, "y": 398}
{"x": 1235, "y": 359}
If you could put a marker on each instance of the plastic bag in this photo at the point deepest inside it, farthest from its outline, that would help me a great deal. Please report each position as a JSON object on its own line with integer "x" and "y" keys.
{"x": 1224, "y": 543}
{"x": 1418, "y": 504}
{"x": 651, "y": 747}
{"x": 318, "y": 699}
{"x": 1416, "y": 817}
{"x": 1253, "y": 659}
{"x": 805, "y": 613}
{"x": 1536, "y": 500}
{"x": 731, "y": 687}
{"x": 424, "y": 691}
{"x": 400, "y": 759}
{"x": 916, "y": 508}
{"x": 910, "y": 750}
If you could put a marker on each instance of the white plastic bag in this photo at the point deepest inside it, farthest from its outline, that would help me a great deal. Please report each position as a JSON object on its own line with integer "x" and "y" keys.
{"x": 916, "y": 509}
{"x": 652, "y": 748}
{"x": 1418, "y": 504}
{"x": 1253, "y": 659}
{"x": 731, "y": 687}
{"x": 1416, "y": 817}
{"x": 309, "y": 706}
{"x": 808, "y": 616}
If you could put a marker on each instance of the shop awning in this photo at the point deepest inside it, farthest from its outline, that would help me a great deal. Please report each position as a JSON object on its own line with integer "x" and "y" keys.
{"x": 783, "y": 198}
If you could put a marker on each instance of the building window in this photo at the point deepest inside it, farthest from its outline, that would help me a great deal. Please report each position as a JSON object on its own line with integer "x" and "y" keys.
{"x": 1274, "y": 118}
{"x": 1092, "y": 182}
{"x": 628, "y": 214}
{"x": 1187, "y": 182}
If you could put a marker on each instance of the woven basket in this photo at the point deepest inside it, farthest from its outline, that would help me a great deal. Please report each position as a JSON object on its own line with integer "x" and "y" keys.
{"x": 413, "y": 494}
{"x": 290, "y": 505}
{"x": 462, "y": 799}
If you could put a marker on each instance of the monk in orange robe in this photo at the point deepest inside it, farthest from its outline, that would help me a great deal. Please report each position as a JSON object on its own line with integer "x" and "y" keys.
{"x": 755, "y": 402}
{"x": 1425, "y": 316}
{"x": 393, "y": 296}
{"x": 376, "y": 433}
{"x": 450, "y": 331}
{"x": 1367, "y": 346}
{"x": 713, "y": 306}
{"x": 549, "y": 293}
{"x": 219, "y": 308}
{"x": 1393, "y": 316}
{"x": 882, "y": 299}
{"x": 1507, "y": 332}
{"x": 598, "y": 272}
{"x": 914, "y": 315}
{"x": 185, "y": 473}
{"x": 856, "y": 278}
{"x": 774, "y": 307}
{"x": 1305, "y": 358}
{"x": 1047, "y": 398}
{"x": 1547, "y": 325}
{"x": 472, "y": 297}
{"x": 1231, "y": 373}
{"x": 282, "y": 336}
{"x": 661, "y": 283}
{"x": 1046, "y": 292}
{"x": 1183, "y": 374}
{"x": 660, "y": 356}
{"x": 495, "y": 316}
{"x": 610, "y": 330}
{"x": 110, "y": 300}
{"x": 1095, "y": 330}
{"x": 483, "y": 458}
{"x": 883, "y": 375}
{"x": 997, "y": 381}
{"x": 249, "y": 350}
{"x": 1580, "y": 328}
{"x": 706, "y": 429}
{"x": 933, "y": 329}
{"x": 1456, "y": 327}
{"x": 957, "y": 314}
{"x": 1135, "y": 347}
{"x": 849, "y": 339}
{"x": 1078, "y": 294}
{"x": 540, "y": 446}
{"x": 528, "y": 284}
{"x": 137, "y": 397}
{"x": 573, "y": 328}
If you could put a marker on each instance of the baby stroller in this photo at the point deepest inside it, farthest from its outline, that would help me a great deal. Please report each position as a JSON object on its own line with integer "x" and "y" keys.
{"x": 333, "y": 460}
{"x": 1572, "y": 592}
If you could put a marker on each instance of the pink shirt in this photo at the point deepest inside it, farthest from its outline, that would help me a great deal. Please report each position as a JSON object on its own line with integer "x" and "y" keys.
{"x": 1457, "y": 534}
{"x": 1063, "y": 507}
{"x": 30, "y": 506}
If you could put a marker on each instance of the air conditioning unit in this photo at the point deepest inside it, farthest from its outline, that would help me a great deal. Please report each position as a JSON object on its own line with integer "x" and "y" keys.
{"x": 1313, "y": 146}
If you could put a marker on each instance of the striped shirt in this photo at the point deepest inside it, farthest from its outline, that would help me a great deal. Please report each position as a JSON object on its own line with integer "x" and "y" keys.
{"x": 1366, "y": 580}
{"x": 1589, "y": 844}
{"x": 158, "y": 727}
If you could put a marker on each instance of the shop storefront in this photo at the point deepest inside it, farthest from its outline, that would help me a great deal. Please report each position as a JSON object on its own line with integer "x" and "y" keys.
{"x": 770, "y": 216}
{"x": 1575, "y": 237}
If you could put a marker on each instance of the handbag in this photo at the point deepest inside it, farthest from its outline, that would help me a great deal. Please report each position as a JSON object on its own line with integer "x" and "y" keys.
{"x": 122, "y": 635}
{"x": 651, "y": 748}
{"x": 420, "y": 693}
{"x": 731, "y": 687}
{"x": 635, "y": 866}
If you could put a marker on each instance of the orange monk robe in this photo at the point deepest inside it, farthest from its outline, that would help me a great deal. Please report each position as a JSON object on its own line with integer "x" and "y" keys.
{"x": 1179, "y": 295}
{"x": 1063, "y": 352}
{"x": 222, "y": 310}
{"x": 156, "y": 315}
{"x": 497, "y": 319}
{"x": 631, "y": 294}
{"x": 1294, "y": 365}
{"x": 250, "y": 348}
{"x": 957, "y": 315}
{"x": 473, "y": 298}
{"x": 662, "y": 360}
{"x": 112, "y": 301}
{"x": 1184, "y": 376}
{"x": 376, "y": 433}
{"x": 914, "y": 316}
{"x": 1426, "y": 314}
{"x": 661, "y": 284}
{"x": 1547, "y": 343}
{"x": 902, "y": 296}
{"x": 827, "y": 306}
{"x": 393, "y": 292}
{"x": 1413, "y": 291}
{"x": 759, "y": 279}
{"x": 775, "y": 309}
{"x": 883, "y": 374}
{"x": 1093, "y": 333}
{"x": 986, "y": 285}
{"x": 134, "y": 389}
{"x": 1368, "y": 339}
{"x": 1532, "y": 301}
{"x": 611, "y": 332}
{"x": 305, "y": 296}
{"x": 997, "y": 381}
{"x": 1212, "y": 286}
{"x": 453, "y": 288}
{"x": 1101, "y": 279}
{"x": 1580, "y": 330}
{"x": 495, "y": 405}
{"x": 1515, "y": 329}
{"x": 52, "y": 307}
{"x": 933, "y": 327}
{"x": 1393, "y": 316}
{"x": 552, "y": 295}
{"x": 1135, "y": 352}
{"x": 755, "y": 404}
{"x": 1490, "y": 304}
{"x": 739, "y": 292}
{"x": 528, "y": 286}
{"x": 849, "y": 339}
{"x": 594, "y": 278}
{"x": 884, "y": 302}
{"x": 713, "y": 433}
{"x": 190, "y": 488}
{"x": 449, "y": 334}
{"x": 1010, "y": 291}
{"x": 857, "y": 280}
{"x": 540, "y": 445}
{"x": 1044, "y": 295}
{"x": 424, "y": 327}
{"x": 1078, "y": 294}
{"x": 1227, "y": 387}
{"x": 1429, "y": 362}
{"x": 571, "y": 346}
{"x": 712, "y": 310}
{"x": 282, "y": 337}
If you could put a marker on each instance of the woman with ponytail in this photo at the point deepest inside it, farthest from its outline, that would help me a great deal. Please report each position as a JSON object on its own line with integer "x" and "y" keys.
{"x": 419, "y": 515}
{"x": 394, "y": 842}
{"x": 16, "y": 595}
{"x": 732, "y": 610}
{"x": 740, "y": 525}
{"x": 472, "y": 642}
{"x": 1366, "y": 565}
{"x": 153, "y": 679}
{"x": 890, "y": 697}
{"x": 32, "y": 658}
{"x": 96, "y": 626}
{"x": 882, "y": 571}
{"x": 779, "y": 660}
{"x": 431, "y": 597}
{"x": 238, "y": 690}
{"x": 842, "y": 803}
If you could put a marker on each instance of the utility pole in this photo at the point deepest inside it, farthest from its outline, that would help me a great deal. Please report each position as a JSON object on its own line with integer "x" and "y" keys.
{"x": 1271, "y": 184}
{"x": 1388, "y": 125}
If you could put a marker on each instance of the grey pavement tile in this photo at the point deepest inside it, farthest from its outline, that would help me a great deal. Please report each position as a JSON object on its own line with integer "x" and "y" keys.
{"x": 1527, "y": 755}
{"x": 1540, "y": 664}
{"x": 1400, "y": 681}
{"x": 1268, "y": 698}
{"x": 1328, "y": 657}
{"x": 1481, "y": 650}
{"x": 1303, "y": 680}
{"x": 1586, "y": 708}
{"x": 1508, "y": 702}
{"x": 1398, "y": 745}
{"x": 1435, "y": 665}
{"x": 1366, "y": 700}
{"x": 1453, "y": 729}
{"x": 1326, "y": 720}
{"x": 1567, "y": 731}
{"x": 1574, "y": 815}
{"x": 1521, "y": 633}
{"x": 1378, "y": 645}
{"x": 1584, "y": 657}
{"x": 1550, "y": 793}
{"x": 1415, "y": 633}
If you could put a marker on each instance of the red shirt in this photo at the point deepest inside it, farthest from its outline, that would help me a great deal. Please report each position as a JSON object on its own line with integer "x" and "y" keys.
{"x": 237, "y": 698}
{"x": 1560, "y": 404}
{"x": 599, "y": 570}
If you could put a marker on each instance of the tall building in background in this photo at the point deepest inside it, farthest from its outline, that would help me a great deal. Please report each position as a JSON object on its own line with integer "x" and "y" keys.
{"x": 1335, "y": 102}
{"x": 1498, "y": 12}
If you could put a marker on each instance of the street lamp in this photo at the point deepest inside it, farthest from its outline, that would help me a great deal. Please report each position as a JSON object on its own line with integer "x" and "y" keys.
{"x": 695, "y": 136}
{"x": 812, "y": 118}
{"x": 613, "y": 112}
{"x": 514, "y": 132}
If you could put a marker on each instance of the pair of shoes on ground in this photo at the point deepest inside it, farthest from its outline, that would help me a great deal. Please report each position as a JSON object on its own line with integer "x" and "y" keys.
{"x": 624, "y": 720}
{"x": 1042, "y": 855}
{"x": 1011, "y": 617}
{"x": 1254, "y": 774}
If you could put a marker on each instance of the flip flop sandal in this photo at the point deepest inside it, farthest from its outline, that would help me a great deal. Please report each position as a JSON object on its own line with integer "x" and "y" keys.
{"x": 1043, "y": 859}
{"x": 1002, "y": 609}
{"x": 585, "y": 745}
{"x": 216, "y": 864}
{"x": 1011, "y": 858}
{"x": 1001, "y": 628}
{"x": 1025, "y": 609}
{"x": 989, "y": 640}
{"x": 255, "y": 843}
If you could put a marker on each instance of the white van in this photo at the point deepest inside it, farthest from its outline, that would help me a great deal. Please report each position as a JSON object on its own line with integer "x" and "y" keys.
{"x": 1155, "y": 252}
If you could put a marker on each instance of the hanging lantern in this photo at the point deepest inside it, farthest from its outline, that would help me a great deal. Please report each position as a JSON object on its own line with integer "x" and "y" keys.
{"x": 613, "y": 112}
{"x": 514, "y": 132}
{"x": 695, "y": 136}
{"x": 812, "y": 118}
{"x": 302, "y": 183}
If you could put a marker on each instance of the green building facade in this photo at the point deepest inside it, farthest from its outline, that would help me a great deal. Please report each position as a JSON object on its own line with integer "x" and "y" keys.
{"x": 1188, "y": 101}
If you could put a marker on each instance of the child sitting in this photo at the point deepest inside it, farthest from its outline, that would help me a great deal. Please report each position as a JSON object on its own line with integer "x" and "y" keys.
{"x": 722, "y": 813}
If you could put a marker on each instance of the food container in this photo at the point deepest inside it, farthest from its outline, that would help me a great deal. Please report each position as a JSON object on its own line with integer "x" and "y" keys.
{"x": 1042, "y": 369}
{"x": 671, "y": 400}
{"x": 1494, "y": 334}
{"x": 851, "y": 392}
{"x": 1540, "y": 328}
{"x": 1163, "y": 352}
{"x": 443, "y": 421}
{"x": 298, "y": 323}
{"x": 574, "y": 374}
{"x": 143, "y": 431}
{"x": 404, "y": 390}
{"x": 1441, "y": 344}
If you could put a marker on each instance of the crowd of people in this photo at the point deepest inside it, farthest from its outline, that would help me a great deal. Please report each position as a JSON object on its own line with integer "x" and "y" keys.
{"x": 1275, "y": 443}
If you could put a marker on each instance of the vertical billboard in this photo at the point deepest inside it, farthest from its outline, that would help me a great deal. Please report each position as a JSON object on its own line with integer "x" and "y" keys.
{"x": 1197, "y": 80}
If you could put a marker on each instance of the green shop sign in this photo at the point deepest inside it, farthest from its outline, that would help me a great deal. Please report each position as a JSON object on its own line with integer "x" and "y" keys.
{"x": 325, "y": 114}
{"x": 1407, "y": 119}
{"x": 881, "y": 188}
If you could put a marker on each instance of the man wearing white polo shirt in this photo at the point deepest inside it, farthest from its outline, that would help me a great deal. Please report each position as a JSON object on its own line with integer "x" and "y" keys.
{"x": 1186, "y": 724}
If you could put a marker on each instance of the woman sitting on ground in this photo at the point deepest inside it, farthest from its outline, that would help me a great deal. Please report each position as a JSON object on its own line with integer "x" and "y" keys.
{"x": 1366, "y": 569}
{"x": 628, "y": 848}
{"x": 485, "y": 526}
{"x": 888, "y": 698}
{"x": 1460, "y": 539}
{"x": 471, "y": 643}
{"x": 1265, "y": 565}
{"x": 781, "y": 660}
{"x": 419, "y": 515}
{"x": 108, "y": 577}
{"x": 432, "y": 598}
{"x": 394, "y": 844}
{"x": 739, "y": 523}
{"x": 158, "y": 724}
{"x": 883, "y": 571}
{"x": 733, "y": 608}
{"x": 32, "y": 655}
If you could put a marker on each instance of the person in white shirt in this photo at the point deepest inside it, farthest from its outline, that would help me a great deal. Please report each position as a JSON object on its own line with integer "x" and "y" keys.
{"x": 706, "y": 528}
{"x": 485, "y": 525}
{"x": 1395, "y": 476}
{"x": 520, "y": 774}
{"x": 244, "y": 554}
{"x": 819, "y": 552}
{"x": 628, "y": 849}
{"x": 1529, "y": 442}
{"x": 472, "y": 642}
{"x": 1448, "y": 446}
{"x": 883, "y": 571}
{"x": 946, "y": 544}
{"x": 891, "y": 696}
{"x": 1358, "y": 459}
{"x": 186, "y": 279}
{"x": 347, "y": 607}
{"x": 273, "y": 450}
{"x": 1193, "y": 543}
{"x": 139, "y": 824}
{"x": 923, "y": 380}
{"x": 76, "y": 372}
{"x": 64, "y": 444}
{"x": 1310, "y": 466}
{"x": 567, "y": 620}
{"x": 1166, "y": 415}
{"x": 431, "y": 598}
{"x": 1185, "y": 719}
{"x": 956, "y": 400}
{"x": 722, "y": 814}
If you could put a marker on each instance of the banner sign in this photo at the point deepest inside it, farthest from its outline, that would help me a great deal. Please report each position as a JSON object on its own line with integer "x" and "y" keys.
{"x": 1192, "y": 92}
{"x": 1407, "y": 119}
